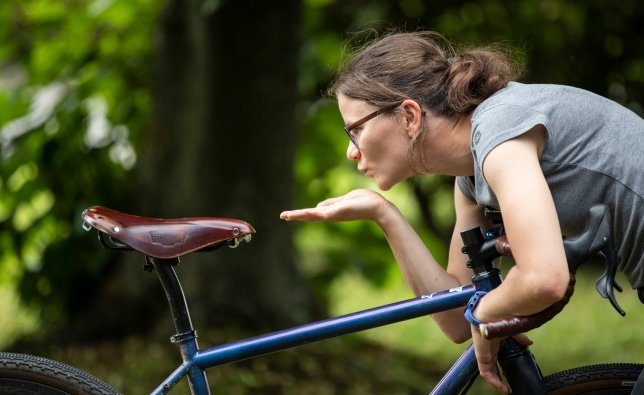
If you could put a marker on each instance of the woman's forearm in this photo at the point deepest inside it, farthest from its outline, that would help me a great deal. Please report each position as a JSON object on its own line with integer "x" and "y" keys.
{"x": 421, "y": 271}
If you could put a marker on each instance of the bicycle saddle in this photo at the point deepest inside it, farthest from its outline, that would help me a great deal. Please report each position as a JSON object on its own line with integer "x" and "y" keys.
{"x": 165, "y": 238}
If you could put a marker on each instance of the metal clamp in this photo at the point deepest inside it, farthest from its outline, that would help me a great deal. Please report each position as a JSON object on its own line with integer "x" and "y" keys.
{"x": 237, "y": 241}
{"x": 182, "y": 337}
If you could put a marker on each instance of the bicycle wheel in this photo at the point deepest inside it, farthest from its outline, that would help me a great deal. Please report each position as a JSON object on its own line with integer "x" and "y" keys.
{"x": 606, "y": 379}
{"x": 27, "y": 374}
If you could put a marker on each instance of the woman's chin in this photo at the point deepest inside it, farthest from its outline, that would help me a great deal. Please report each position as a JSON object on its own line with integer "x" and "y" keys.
{"x": 384, "y": 185}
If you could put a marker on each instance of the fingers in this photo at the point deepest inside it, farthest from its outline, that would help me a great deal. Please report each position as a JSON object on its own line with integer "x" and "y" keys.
{"x": 494, "y": 380}
{"x": 359, "y": 204}
{"x": 307, "y": 214}
{"x": 486, "y": 358}
{"x": 523, "y": 339}
{"x": 330, "y": 201}
{"x": 310, "y": 214}
{"x": 356, "y": 193}
{"x": 489, "y": 371}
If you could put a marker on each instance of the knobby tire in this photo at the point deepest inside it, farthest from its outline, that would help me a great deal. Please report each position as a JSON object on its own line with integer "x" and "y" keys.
{"x": 28, "y": 374}
{"x": 605, "y": 379}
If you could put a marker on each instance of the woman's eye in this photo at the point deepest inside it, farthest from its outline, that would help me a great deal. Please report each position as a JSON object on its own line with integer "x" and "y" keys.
{"x": 356, "y": 131}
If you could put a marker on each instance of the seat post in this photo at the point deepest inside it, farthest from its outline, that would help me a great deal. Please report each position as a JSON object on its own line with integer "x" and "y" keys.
{"x": 173, "y": 292}
{"x": 186, "y": 336}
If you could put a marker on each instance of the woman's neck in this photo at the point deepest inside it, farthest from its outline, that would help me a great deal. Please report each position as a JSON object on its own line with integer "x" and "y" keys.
{"x": 447, "y": 145}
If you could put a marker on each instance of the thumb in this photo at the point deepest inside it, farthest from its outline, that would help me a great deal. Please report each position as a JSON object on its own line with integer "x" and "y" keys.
{"x": 523, "y": 339}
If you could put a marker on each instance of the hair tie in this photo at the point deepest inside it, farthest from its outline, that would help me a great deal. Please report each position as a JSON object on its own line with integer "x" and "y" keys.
{"x": 450, "y": 61}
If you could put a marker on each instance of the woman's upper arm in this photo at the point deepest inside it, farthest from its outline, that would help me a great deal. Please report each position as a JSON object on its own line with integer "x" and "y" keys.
{"x": 530, "y": 219}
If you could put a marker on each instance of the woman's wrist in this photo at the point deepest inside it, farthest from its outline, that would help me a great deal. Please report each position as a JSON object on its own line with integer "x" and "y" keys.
{"x": 386, "y": 213}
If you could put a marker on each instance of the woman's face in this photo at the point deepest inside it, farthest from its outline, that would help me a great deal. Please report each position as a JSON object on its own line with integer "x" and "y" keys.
{"x": 383, "y": 143}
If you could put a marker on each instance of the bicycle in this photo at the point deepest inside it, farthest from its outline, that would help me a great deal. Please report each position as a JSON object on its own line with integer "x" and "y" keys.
{"x": 164, "y": 241}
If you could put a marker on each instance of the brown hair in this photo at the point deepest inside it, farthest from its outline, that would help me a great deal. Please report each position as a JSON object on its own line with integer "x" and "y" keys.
{"x": 424, "y": 67}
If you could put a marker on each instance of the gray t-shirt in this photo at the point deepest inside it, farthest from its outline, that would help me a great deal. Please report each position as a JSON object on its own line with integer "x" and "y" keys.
{"x": 594, "y": 153}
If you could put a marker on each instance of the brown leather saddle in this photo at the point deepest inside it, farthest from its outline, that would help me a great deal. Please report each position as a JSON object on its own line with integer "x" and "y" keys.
{"x": 166, "y": 238}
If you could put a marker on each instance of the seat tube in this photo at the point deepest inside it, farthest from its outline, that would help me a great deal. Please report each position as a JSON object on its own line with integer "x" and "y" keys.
{"x": 520, "y": 369}
{"x": 186, "y": 336}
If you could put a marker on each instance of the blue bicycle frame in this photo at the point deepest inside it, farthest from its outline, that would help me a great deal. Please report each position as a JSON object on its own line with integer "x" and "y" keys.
{"x": 517, "y": 362}
{"x": 196, "y": 361}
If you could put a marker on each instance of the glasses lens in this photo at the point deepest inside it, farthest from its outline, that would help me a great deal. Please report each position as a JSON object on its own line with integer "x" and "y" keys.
{"x": 347, "y": 129}
{"x": 353, "y": 138}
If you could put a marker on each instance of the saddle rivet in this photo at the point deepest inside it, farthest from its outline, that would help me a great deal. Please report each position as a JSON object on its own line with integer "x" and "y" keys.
{"x": 116, "y": 229}
{"x": 235, "y": 231}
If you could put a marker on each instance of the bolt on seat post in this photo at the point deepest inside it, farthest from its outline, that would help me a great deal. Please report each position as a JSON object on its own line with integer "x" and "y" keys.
{"x": 186, "y": 336}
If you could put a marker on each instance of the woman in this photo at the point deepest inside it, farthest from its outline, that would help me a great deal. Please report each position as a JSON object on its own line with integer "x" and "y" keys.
{"x": 542, "y": 154}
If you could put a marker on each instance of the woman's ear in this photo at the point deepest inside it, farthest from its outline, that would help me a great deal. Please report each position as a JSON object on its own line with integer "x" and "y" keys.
{"x": 412, "y": 117}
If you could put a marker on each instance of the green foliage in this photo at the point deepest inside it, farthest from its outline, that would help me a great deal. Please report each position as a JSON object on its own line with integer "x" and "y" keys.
{"x": 74, "y": 95}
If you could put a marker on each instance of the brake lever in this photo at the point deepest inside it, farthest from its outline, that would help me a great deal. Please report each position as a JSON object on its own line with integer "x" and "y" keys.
{"x": 597, "y": 238}
{"x": 606, "y": 282}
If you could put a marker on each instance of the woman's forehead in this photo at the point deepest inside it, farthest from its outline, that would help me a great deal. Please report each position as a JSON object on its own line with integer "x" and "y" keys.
{"x": 350, "y": 104}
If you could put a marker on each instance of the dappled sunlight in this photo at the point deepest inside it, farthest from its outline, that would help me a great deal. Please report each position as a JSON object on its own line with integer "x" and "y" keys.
{"x": 16, "y": 320}
{"x": 43, "y": 102}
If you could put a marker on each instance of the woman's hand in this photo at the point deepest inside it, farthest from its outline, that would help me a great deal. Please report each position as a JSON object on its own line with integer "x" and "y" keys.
{"x": 486, "y": 356}
{"x": 359, "y": 204}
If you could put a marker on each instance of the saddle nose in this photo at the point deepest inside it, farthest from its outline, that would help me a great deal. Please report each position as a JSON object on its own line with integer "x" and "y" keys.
{"x": 166, "y": 238}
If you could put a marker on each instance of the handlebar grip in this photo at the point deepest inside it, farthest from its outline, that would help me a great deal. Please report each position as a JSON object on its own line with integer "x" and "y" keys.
{"x": 520, "y": 324}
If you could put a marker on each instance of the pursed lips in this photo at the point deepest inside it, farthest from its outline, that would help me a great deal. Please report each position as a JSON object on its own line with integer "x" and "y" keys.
{"x": 364, "y": 171}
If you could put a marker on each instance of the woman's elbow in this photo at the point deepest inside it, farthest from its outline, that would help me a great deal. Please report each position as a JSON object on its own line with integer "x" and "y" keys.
{"x": 453, "y": 325}
{"x": 460, "y": 337}
{"x": 553, "y": 289}
{"x": 458, "y": 334}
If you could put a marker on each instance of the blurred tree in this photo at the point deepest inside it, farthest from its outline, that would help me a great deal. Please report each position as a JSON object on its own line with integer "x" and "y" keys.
{"x": 72, "y": 86}
{"x": 221, "y": 143}
{"x": 223, "y": 106}
{"x": 80, "y": 127}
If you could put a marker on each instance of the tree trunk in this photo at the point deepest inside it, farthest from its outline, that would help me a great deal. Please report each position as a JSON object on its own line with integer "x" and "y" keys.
{"x": 222, "y": 144}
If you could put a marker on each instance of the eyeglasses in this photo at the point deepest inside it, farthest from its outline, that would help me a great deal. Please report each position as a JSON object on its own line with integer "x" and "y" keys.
{"x": 359, "y": 122}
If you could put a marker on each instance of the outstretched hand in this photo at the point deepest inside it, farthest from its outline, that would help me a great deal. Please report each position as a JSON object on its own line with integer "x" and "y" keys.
{"x": 359, "y": 204}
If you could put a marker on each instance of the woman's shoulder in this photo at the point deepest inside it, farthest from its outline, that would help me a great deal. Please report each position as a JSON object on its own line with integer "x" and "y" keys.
{"x": 562, "y": 102}
{"x": 517, "y": 93}
{"x": 539, "y": 95}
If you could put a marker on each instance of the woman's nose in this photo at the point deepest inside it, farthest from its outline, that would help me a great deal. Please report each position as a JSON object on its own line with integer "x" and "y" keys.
{"x": 352, "y": 152}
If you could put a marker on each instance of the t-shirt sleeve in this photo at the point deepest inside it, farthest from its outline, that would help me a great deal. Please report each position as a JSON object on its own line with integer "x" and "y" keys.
{"x": 501, "y": 123}
{"x": 466, "y": 186}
